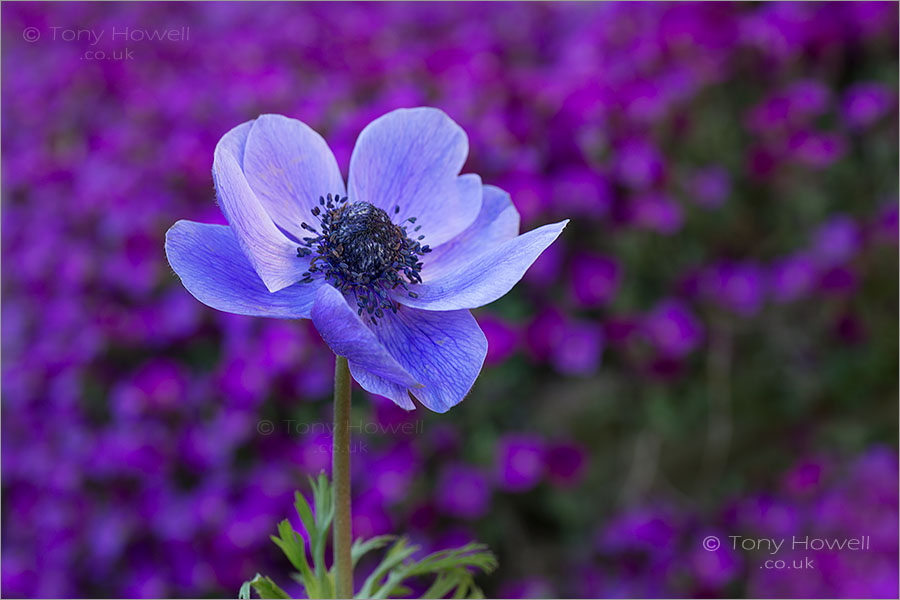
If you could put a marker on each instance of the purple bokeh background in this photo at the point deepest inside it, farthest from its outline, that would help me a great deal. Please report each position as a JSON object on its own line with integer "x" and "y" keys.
{"x": 710, "y": 348}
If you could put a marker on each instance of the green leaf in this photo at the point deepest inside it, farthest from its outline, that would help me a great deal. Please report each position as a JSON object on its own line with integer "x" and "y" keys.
{"x": 402, "y": 591}
{"x": 294, "y": 548}
{"x": 450, "y": 566}
{"x": 361, "y": 548}
{"x": 324, "y": 507}
{"x": 442, "y": 586}
{"x": 453, "y": 569}
{"x": 265, "y": 587}
{"x": 394, "y": 557}
{"x": 473, "y": 555}
{"x": 463, "y": 590}
{"x": 304, "y": 512}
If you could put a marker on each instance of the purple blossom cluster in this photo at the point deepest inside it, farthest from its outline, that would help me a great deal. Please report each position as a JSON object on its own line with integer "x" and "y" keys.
{"x": 731, "y": 175}
{"x": 657, "y": 549}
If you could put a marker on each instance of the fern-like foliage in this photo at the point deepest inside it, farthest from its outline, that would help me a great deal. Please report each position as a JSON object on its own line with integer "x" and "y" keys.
{"x": 452, "y": 571}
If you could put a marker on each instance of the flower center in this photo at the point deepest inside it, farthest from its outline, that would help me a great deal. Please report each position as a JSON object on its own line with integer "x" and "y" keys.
{"x": 358, "y": 249}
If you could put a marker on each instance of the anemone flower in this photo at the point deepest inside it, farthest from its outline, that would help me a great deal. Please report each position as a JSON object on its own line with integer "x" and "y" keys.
{"x": 387, "y": 270}
{"x": 387, "y": 267}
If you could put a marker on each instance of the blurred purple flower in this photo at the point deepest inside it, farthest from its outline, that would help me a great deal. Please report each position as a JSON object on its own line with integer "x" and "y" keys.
{"x": 737, "y": 286}
{"x": 314, "y": 454}
{"x": 865, "y": 103}
{"x": 861, "y": 501}
{"x": 582, "y": 192}
{"x": 620, "y": 329}
{"x": 502, "y": 338}
{"x": 710, "y": 187}
{"x": 870, "y": 18}
{"x": 887, "y": 225}
{"x": 286, "y": 256}
{"x": 315, "y": 378}
{"x": 547, "y": 268}
{"x": 797, "y": 104}
{"x": 392, "y": 473}
{"x": 370, "y": 517}
{"x": 463, "y": 492}
{"x": 792, "y": 277}
{"x": 454, "y": 537}
{"x": 645, "y": 529}
{"x": 565, "y": 463}
{"x": 243, "y": 382}
{"x": 639, "y": 164}
{"x": 392, "y": 418}
{"x": 657, "y": 211}
{"x": 838, "y": 280}
{"x": 545, "y": 333}
{"x": 533, "y": 587}
{"x": 714, "y": 568}
{"x": 645, "y": 101}
{"x": 808, "y": 98}
{"x": 157, "y": 385}
{"x": 595, "y": 279}
{"x": 203, "y": 448}
{"x": 836, "y": 241}
{"x": 673, "y": 329}
{"x": 816, "y": 150}
{"x": 577, "y": 348}
{"x": 520, "y": 462}
{"x": 767, "y": 515}
{"x": 281, "y": 347}
{"x": 529, "y": 192}
{"x": 762, "y": 161}
{"x": 804, "y": 477}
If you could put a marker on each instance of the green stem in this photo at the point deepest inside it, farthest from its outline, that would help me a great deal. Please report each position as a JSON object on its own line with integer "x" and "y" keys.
{"x": 343, "y": 566}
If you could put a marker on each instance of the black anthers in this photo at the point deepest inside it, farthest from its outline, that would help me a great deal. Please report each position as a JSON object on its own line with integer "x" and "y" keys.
{"x": 359, "y": 250}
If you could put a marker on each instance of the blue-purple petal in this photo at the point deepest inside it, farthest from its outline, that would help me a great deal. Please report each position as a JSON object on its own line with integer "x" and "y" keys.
{"x": 272, "y": 254}
{"x": 444, "y": 351}
{"x": 485, "y": 278}
{"x": 497, "y": 222}
{"x": 215, "y": 270}
{"x": 346, "y": 334}
{"x": 370, "y": 382}
{"x": 410, "y": 158}
{"x": 288, "y": 166}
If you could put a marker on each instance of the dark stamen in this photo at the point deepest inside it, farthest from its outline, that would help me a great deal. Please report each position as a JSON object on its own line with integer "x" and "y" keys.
{"x": 360, "y": 250}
